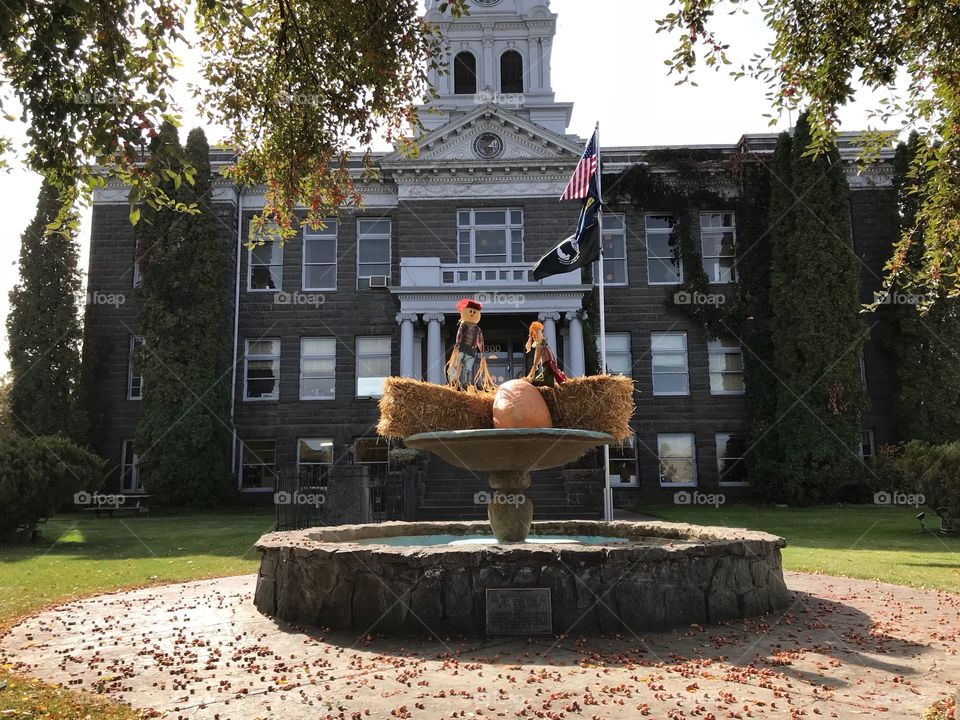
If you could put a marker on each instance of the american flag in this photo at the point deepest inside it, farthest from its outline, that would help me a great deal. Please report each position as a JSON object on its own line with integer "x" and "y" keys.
{"x": 579, "y": 184}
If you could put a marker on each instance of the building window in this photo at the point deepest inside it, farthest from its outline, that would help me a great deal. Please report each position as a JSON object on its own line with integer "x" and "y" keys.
{"x": 614, "y": 251}
{"x": 137, "y": 275}
{"x": 314, "y": 460}
{"x": 265, "y": 266}
{"x": 134, "y": 375}
{"x": 678, "y": 460}
{"x": 664, "y": 264}
{"x": 258, "y": 471}
{"x": 619, "y": 360}
{"x": 511, "y": 72}
{"x": 717, "y": 239}
{"x": 373, "y": 365}
{"x": 320, "y": 257}
{"x": 668, "y": 354}
{"x": 490, "y": 236}
{"x": 261, "y": 369}
{"x": 129, "y": 469}
{"x": 373, "y": 249}
{"x": 731, "y": 469}
{"x": 373, "y": 452}
{"x": 318, "y": 360}
{"x": 623, "y": 462}
{"x": 868, "y": 444}
{"x": 465, "y": 74}
{"x": 726, "y": 367}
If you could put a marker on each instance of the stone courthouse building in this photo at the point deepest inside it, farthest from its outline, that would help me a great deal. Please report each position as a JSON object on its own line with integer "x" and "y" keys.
{"x": 320, "y": 322}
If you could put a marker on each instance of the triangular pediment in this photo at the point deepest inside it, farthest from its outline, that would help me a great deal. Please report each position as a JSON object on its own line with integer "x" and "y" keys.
{"x": 489, "y": 134}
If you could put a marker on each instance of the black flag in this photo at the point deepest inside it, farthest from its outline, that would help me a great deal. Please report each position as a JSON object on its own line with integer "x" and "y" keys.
{"x": 581, "y": 248}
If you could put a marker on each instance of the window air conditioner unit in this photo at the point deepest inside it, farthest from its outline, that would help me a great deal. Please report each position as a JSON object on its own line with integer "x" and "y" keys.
{"x": 378, "y": 281}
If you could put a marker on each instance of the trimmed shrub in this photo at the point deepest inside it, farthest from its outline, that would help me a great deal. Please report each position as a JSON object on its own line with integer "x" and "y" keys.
{"x": 934, "y": 471}
{"x": 38, "y": 475}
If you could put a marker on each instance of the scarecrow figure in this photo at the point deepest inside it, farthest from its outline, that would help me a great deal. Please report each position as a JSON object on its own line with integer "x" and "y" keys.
{"x": 544, "y": 370}
{"x": 463, "y": 371}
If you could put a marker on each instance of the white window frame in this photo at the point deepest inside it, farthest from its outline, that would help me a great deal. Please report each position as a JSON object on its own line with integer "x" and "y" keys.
{"x": 129, "y": 459}
{"x": 324, "y": 234}
{"x": 661, "y": 231}
{"x": 732, "y": 228}
{"x": 717, "y": 348}
{"x": 247, "y": 357}
{"x": 302, "y": 463}
{"x": 388, "y": 355}
{"x": 619, "y": 353}
{"x": 509, "y": 227}
{"x": 693, "y": 459}
{"x": 277, "y": 248}
{"x": 619, "y": 482}
{"x": 388, "y": 236}
{"x": 243, "y": 447}
{"x": 654, "y": 372}
{"x": 724, "y": 437}
{"x": 622, "y": 233}
{"x": 322, "y": 356}
{"x": 134, "y": 342}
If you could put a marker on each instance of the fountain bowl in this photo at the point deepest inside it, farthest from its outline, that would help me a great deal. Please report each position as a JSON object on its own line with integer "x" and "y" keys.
{"x": 399, "y": 578}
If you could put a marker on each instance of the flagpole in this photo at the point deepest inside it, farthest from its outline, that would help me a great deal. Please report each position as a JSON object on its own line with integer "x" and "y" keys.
{"x": 607, "y": 494}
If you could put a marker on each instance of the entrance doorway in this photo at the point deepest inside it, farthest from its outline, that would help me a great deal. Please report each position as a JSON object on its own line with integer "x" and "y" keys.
{"x": 504, "y": 337}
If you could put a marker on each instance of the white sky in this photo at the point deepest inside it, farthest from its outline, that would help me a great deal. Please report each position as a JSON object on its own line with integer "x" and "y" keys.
{"x": 607, "y": 60}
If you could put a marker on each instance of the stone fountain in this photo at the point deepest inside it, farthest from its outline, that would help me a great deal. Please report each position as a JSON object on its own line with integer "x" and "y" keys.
{"x": 512, "y": 576}
{"x": 509, "y": 455}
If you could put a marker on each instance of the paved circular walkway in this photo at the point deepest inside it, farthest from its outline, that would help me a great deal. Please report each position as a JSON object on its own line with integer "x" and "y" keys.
{"x": 845, "y": 648}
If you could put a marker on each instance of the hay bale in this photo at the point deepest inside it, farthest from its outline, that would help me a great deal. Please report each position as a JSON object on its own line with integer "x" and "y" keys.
{"x": 411, "y": 406}
{"x": 602, "y": 403}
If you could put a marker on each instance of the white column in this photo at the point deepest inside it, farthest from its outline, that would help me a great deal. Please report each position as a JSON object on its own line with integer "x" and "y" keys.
{"x": 549, "y": 321}
{"x": 577, "y": 366}
{"x": 406, "y": 344}
{"x": 435, "y": 359}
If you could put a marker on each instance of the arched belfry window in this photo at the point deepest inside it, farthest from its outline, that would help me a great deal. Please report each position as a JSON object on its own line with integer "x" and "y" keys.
{"x": 465, "y": 74}
{"x": 511, "y": 72}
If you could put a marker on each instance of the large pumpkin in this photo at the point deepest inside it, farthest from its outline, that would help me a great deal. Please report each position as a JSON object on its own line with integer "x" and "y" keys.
{"x": 518, "y": 404}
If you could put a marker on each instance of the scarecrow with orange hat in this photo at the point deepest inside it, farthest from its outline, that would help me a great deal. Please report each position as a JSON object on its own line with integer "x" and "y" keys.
{"x": 462, "y": 367}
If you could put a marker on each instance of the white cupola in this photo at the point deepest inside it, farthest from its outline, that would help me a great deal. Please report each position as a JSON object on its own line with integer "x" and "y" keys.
{"x": 498, "y": 54}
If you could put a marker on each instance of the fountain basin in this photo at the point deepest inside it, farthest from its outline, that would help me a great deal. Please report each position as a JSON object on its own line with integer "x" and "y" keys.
{"x": 653, "y": 576}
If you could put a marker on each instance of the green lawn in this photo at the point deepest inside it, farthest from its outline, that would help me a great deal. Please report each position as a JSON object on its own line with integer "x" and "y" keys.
{"x": 81, "y": 555}
{"x": 873, "y": 543}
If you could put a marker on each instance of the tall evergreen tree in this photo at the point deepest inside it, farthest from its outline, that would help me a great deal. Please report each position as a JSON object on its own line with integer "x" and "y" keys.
{"x": 927, "y": 347}
{"x": 183, "y": 437}
{"x": 43, "y": 326}
{"x": 817, "y": 331}
{"x": 755, "y": 221}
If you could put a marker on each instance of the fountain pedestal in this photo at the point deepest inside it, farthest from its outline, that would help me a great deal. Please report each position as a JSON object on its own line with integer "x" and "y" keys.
{"x": 509, "y": 455}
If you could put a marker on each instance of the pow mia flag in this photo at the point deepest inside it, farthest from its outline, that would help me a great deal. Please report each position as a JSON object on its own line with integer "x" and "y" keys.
{"x": 581, "y": 248}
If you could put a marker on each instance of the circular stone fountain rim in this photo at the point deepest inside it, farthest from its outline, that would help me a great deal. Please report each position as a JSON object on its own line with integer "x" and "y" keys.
{"x": 568, "y": 433}
{"x": 688, "y": 538}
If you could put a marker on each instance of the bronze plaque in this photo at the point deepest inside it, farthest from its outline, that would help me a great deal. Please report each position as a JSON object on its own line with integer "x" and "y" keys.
{"x": 519, "y": 611}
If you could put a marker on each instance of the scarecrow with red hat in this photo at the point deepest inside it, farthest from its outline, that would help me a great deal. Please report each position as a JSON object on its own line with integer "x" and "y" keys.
{"x": 463, "y": 371}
